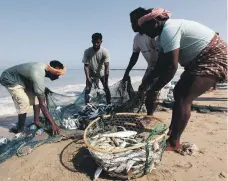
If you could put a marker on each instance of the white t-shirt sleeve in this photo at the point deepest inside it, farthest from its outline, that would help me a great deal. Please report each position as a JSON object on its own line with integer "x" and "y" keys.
{"x": 106, "y": 56}
{"x": 85, "y": 59}
{"x": 136, "y": 48}
{"x": 170, "y": 37}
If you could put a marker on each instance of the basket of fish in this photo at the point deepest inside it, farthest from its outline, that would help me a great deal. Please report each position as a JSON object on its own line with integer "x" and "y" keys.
{"x": 126, "y": 145}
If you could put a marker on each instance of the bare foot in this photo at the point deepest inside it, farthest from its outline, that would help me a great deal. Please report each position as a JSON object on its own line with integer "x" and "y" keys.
{"x": 172, "y": 148}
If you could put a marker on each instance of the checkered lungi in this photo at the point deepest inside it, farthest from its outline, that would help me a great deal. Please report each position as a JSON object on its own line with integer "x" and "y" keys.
{"x": 212, "y": 61}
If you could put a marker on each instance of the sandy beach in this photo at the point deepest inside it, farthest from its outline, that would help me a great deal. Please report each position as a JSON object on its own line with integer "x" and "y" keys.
{"x": 59, "y": 161}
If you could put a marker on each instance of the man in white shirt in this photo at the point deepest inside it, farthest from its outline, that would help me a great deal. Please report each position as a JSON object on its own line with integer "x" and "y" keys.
{"x": 148, "y": 47}
{"x": 96, "y": 66}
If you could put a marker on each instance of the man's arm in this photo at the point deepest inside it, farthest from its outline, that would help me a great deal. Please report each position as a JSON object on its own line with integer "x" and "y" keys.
{"x": 106, "y": 71}
{"x": 133, "y": 61}
{"x": 39, "y": 90}
{"x": 134, "y": 57}
{"x": 164, "y": 70}
{"x": 44, "y": 109}
{"x": 86, "y": 68}
{"x": 154, "y": 74}
{"x": 85, "y": 60}
{"x": 167, "y": 64}
{"x": 106, "y": 64}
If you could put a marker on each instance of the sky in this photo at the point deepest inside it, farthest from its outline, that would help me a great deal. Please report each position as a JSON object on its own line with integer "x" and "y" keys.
{"x": 44, "y": 30}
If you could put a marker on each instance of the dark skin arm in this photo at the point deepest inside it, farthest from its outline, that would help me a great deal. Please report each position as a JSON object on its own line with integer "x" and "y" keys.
{"x": 133, "y": 61}
{"x": 164, "y": 70}
{"x": 47, "y": 115}
{"x": 106, "y": 71}
{"x": 86, "y": 69}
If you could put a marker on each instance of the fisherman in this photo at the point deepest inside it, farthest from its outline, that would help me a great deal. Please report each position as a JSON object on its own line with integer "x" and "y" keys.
{"x": 148, "y": 47}
{"x": 96, "y": 66}
{"x": 25, "y": 83}
{"x": 198, "y": 49}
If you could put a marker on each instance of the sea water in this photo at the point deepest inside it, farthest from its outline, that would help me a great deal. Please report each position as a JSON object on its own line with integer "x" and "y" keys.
{"x": 72, "y": 83}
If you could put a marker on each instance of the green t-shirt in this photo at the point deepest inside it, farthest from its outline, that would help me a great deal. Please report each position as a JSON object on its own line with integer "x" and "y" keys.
{"x": 29, "y": 75}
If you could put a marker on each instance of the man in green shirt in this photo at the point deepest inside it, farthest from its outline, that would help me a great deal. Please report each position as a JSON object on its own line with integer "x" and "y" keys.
{"x": 96, "y": 65}
{"x": 25, "y": 83}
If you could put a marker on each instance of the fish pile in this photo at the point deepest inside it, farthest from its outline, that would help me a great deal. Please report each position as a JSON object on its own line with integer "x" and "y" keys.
{"x": 132, "y": 161}
{"x": 115, "y": 140}
{"x": 70, "y": 123}
{"x": 91, "y": 111}
{"x": 88, "y": 113}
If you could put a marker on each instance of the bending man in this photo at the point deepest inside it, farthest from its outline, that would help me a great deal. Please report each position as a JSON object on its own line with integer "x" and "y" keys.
{"x": 148, "y": 47}
{"x": 25, "y": 83}
{"x": 198, "y": 49}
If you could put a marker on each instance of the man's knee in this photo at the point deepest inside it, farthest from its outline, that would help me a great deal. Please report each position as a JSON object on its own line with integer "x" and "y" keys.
{"x": 178, "y": 94}
{"x": 22, "y": 105}
{"x": 181, "y": 100}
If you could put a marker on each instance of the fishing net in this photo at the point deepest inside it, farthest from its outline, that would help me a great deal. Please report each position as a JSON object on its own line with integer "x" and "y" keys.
{"x": 140, "y": 157}
{"x": 24, "y": 143}
{"x": 71, "y": 114}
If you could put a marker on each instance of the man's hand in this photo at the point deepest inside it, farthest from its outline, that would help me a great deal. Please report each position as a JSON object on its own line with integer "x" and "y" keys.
{"x": 55, "y": 129}
{"x": 133, "y": 61}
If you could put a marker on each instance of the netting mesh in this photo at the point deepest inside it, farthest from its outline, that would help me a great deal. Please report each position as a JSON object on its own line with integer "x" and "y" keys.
{"x": 66, "y": 109}
{"x": 70, "y": 113}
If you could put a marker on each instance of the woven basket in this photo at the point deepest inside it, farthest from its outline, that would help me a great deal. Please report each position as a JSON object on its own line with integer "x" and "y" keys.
{"x": 143, "y": 156}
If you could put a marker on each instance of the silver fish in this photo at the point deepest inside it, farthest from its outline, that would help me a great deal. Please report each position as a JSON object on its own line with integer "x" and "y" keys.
{"x": 120, "y": 159}
{"x": 138, "y": 166}
{"x": 137, "y": 154}
{"x": 97, "y": 173}
{"x": 97, "y": 141}
{"x": 138, "y": 172}
{"x": 123, "y": 145}
{"x": 95, "y": 137}
{"x": 122, "y": 153}
{"x": 115, "y": 141}
{"x": 156, "y": 146}
{"x": 106, "y": 146}
{"x": 120, "y": 134}
{"x": 112, "y": 168}
{"x": 130, "y": 163}
{"x": 131, "y": 141}
{"x": 139, "y": 159}
{"x": 121, "y": 168}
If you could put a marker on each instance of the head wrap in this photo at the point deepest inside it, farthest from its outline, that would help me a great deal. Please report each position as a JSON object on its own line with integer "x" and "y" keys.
{"x": 56, "y": 71}
{"x": 156, "y": 12}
